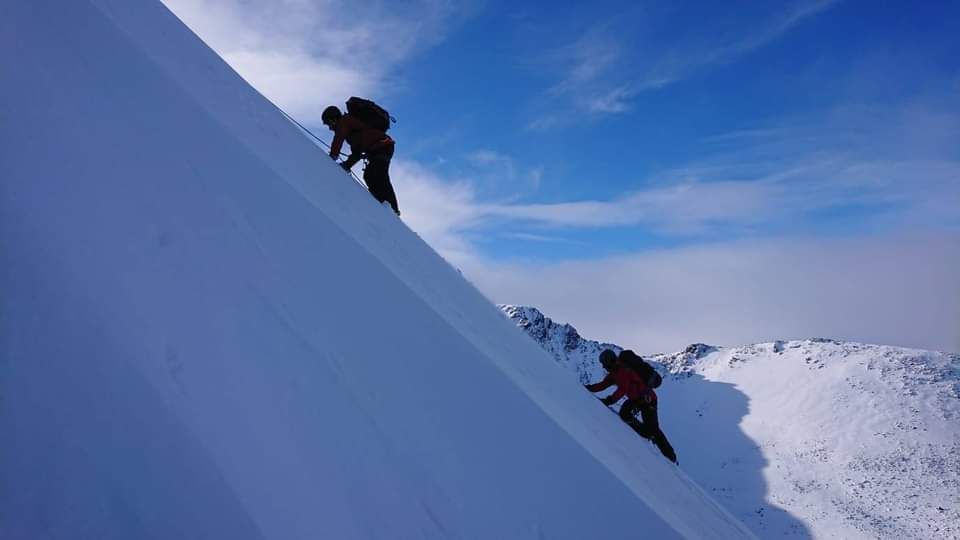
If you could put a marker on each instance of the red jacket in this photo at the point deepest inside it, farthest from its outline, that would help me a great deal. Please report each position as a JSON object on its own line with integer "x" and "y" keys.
{"x": 628, "y": 383}
{"x": 361, "y": 138}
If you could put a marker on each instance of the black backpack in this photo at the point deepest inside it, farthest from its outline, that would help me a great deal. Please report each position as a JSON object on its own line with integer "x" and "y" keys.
{"x": 633, "y": 361}
{"x": 369, "y": 113}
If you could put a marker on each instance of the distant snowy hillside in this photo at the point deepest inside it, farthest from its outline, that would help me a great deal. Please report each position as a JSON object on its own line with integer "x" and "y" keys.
{"x": 841, "y": 440}
{"x": 207, "y": 330}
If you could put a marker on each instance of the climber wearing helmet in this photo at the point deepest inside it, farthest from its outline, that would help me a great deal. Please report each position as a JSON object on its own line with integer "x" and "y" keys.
{"x": 640, "y": 397}
{"x": 366, "y": 142}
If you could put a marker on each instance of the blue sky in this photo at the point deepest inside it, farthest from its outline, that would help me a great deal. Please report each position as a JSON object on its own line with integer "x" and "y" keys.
{"x": 537, "y": 139}
{"x": 684, "y": 81}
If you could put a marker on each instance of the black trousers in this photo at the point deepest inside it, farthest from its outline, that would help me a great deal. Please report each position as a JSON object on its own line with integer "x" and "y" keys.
{"x": 649, "y": 427}
{"x": 377, "y": 176}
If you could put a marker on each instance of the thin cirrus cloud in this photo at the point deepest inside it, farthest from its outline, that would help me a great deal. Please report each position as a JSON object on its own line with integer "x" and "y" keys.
{"x": 501, "y": 168}
{"x": 687, "y": 206}
{"x": 595, "y": 63}
{"x": 302, "y": 55}
{"x": 684, "y": 59}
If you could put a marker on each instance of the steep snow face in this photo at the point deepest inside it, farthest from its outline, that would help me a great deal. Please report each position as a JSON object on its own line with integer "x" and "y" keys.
{"x": 208, "y": 331}
{"x": 841, "y": 440}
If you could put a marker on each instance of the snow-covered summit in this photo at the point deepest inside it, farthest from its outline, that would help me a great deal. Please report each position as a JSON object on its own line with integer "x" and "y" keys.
{"x": 837, "y": 439}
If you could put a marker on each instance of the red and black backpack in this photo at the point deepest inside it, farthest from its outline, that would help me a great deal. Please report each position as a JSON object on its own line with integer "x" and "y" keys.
{"x": 647, "y": 372}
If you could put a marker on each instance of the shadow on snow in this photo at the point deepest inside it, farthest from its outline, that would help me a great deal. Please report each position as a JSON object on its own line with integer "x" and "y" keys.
{"x": 702, "y": 420}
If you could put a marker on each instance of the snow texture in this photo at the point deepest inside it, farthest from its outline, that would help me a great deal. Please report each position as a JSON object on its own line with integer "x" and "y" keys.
{"x": 207, "y": 330}
{"x": 806, "y": 438}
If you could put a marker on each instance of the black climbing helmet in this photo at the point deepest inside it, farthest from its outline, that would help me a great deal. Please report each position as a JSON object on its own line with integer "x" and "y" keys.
{"x": 330, "y": 116}
{"x": 607, "y": 359}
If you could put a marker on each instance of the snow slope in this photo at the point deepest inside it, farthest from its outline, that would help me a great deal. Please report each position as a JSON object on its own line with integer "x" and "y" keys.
{"x": 833, "y": 439}
{"x": 208, "y": 331}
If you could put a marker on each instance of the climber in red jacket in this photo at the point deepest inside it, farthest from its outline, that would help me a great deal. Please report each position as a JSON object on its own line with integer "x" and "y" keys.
{"x": 366, "y": 142}
{"x": 640, "y": 398}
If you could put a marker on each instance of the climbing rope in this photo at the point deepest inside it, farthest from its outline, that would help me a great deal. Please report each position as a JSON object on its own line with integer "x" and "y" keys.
{"x": 319, "y": 140}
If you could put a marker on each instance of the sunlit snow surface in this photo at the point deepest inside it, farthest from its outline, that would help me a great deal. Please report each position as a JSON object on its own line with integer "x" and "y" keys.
{"x": 207, "y": 330}
{"x": 811, "y": 437}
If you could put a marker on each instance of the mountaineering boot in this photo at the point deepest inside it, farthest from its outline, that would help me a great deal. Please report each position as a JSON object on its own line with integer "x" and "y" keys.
{"x": 390, "y": 207}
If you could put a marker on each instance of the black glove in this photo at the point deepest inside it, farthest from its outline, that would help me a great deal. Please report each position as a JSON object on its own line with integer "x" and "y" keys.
{"x": 344, "y": 166}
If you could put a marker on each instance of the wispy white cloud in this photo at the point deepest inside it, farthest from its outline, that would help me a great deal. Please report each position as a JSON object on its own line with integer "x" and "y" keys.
{"x": 544, "y": 122}
{"x": 687, "y": 206}
{"x": 443, "y": 211}
{"x": 681, "y": 60}
{"x": 587, "y": 59}
{"x": 588, "y": 66}
{"x": 489, "y": 157}
{"x": 502, "y": 169}
{"x": 307, "y": 54}
{"x": 613, "y": 101}
{"x": 605, "y": 67}
{"x": 544, "y": 238}
{"x": 691, "y": 202}
{"x": 535, "y": 176}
